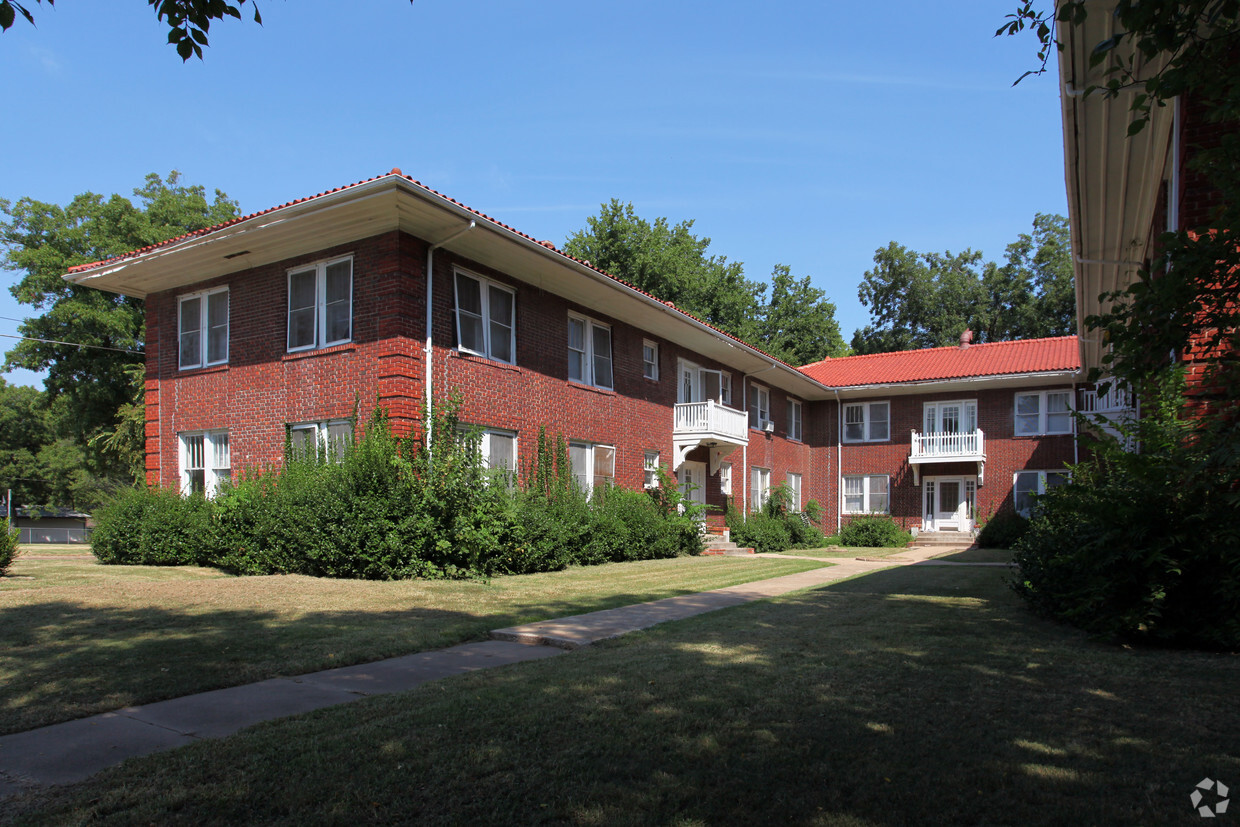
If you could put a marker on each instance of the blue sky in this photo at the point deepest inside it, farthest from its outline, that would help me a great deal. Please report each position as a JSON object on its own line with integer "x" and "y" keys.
{"x": 806, "y": 134}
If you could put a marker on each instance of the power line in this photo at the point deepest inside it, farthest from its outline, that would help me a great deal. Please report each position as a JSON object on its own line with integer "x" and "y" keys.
{"x": 71, "y": 344}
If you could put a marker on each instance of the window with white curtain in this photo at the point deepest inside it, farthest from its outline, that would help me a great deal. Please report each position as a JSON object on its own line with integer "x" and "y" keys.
{"x": 206, "y": 462}
{"x": 593, "y": 465}
{"x": 866, "y": 494}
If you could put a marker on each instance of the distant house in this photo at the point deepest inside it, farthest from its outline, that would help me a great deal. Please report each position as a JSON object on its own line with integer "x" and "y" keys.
{"x": 51, "y": 525}
{"x": 267, "y": 328}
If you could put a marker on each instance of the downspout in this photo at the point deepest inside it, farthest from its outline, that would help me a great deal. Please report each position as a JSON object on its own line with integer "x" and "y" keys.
{"x": 839, "y": 462}
{"x": 1076, "y": 432}
{"x": 428, "y": 379}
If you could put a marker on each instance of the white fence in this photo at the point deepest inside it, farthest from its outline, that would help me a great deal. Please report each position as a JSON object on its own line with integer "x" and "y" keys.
{"x": 710, "y": 417}
{"x": 1117, "y": 398}
{"x": 53, "y": 535}
{"x": 968, "y": 444}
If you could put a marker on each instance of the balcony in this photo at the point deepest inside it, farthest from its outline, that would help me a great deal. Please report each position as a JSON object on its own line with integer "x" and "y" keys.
{"x": 968, "y": 446}
{"x": 707, "y": 423}
{"x": 1117, "y": 399}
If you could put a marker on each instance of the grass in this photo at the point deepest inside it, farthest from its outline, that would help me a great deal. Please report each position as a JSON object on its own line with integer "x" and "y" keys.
{"x": 908, "y": 696}
{"x": 837, "y": 552}
{"x": 80, "y": 638}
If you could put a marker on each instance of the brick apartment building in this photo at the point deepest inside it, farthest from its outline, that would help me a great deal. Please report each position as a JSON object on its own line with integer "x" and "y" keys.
{"x": 272, "y": 326}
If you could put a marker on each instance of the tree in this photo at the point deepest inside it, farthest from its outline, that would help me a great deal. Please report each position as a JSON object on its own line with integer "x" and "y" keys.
{"x": 1033, "y": 295}
{"x": 37, "y": 463}
{"x": 86, "y": 338}
{"x": 798, "y": 325}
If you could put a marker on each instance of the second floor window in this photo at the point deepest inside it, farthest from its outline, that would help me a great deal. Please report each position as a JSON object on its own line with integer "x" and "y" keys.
{"x": 320, "y": 304}
{"x": 1046, "y": 412}
{"x": 589, "y": 352}
{"x": 794, "y": 420}
{"x": 867, "y": 422}
{"x": 650, "y": 359}
{"x": 203, "y": 329}
{"x": 759, "y": 406}
{"x": 485, "y": 318}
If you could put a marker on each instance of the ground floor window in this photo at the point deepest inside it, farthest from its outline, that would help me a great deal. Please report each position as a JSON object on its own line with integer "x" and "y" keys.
{"x": 329, "y": 438}
{"x": 794, "y": 493}
{"x": 1029, "y": 484}
{"x": 866, "y": 494}
{"x": 593, "y": 465}
{"x": 760, "y": 488}
{"x": 205, "y": 462}
{"x": 725, "y": 478}
{"x": 650, "y": 469}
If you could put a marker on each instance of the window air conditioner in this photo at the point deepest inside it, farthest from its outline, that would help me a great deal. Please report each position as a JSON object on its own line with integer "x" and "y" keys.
{"x": 769, "y": 426}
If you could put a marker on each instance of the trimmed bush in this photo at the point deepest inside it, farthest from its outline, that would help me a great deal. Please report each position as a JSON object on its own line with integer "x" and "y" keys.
{"x": 153, "y": 527}
{"x": 874, "y": 532}
{"x": 763, "y": 533}
{"x": 1002, "y": 530}
{"x": 8, "y": 546}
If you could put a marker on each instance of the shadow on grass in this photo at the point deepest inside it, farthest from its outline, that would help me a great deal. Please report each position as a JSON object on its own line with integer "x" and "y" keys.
{"x": 907, "y": 696}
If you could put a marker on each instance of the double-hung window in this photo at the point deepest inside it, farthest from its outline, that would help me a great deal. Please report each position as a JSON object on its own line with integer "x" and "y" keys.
{"x": 794, "y": 493}
{"x": 589, "y": 352}
{"x": 329, "y": 439}
{"x": 759, "y": 406}
{"x": 1029, "y": 484}
{"x": 320, "y": 304}
{"x": 485, "y": 318}
{"x": 593, "y": 465}
{"x": 867, "y": 422}
{"x": 725, "y": 478}
{"x": 866, "y": 494}
{"x": 650, "y": 359}
{"x": 759, "y": 488}
{"x": 203, "y": 329}
{"x": 650, "y": 469}
{"x": 795, "y": 425}
{"x": 1044, "y": 412}
{"x": 725, "y": 388}
{"x": 205, "y": 462}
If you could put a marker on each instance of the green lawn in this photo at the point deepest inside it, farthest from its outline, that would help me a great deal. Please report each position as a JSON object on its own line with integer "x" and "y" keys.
{"x": 909, "y": 696}
{"x": 837, "y": 552}
{"x": 78, "y": 637}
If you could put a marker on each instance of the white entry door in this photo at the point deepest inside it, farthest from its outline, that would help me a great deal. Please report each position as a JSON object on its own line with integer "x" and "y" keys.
{"x": 692, "y": 478}
{"x": 949, "y": 503}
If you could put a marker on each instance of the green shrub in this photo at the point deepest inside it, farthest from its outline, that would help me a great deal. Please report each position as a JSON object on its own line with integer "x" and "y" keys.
{"x": 153, "y": 527}
{"x": 8, "y": 546}
{"x": 763, "y": 533}
{"x": 803, "y": 534}
{"x": 1002, "y": 530}
{"x": 873, "y": 532}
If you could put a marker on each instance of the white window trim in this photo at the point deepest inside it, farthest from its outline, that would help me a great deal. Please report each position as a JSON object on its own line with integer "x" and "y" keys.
{"x": 759, "y": 488}
{"x": 866, "y": 493}
{"x": 1043, "y": 413}
{"x": 484, "y": 285}
{"x": 320, "y": 304}
{"x": 1041, "y": 489}
{"x": 866, "y": 421}
{"x": 204, "y": 345}
{"x": 725, "y": 388}
{"x": 798, "y": 420}
{"x": 795, "y": 505}
{"x": 759, "y": 406}
{"x": 968, "y": 409}
{"x": 650, "y": 466}
{"x": 650, "y": 369}
{"x": 588, "y": 359}
{"x": 590, "y": 448}
{"x": 211, "y": 471}
{"x": 321, "y": 432}
{"x": 725, "y": 478}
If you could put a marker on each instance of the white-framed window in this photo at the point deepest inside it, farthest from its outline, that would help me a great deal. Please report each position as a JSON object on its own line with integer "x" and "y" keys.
{"x": 867, "y": 422}
{"x": 650, "y": 359}
{"x": 957, "y": 416}
{"x": 759, "y": 488}
{"x": 725, "y": 478}
{"x": 202, "y": 334}
{"x": 593, "y": 465}
{"x": 205, "y": 462}
{"x": 486, "y": 315}
{"x": 759, "y": 406}
{"x": 320, "y": 304}
{"x": 330, "y": 438}
{"x": 867, "y": 494}
{"x": 795, "y": 423}
{"x": 650, "y": 469}
{"x": 794, "y": 493}
{"x": 589, "y": 352}
{"x": 1027, "y": 485}
{"x": 1044, "y": 412}
{"x": 725, "y": 388}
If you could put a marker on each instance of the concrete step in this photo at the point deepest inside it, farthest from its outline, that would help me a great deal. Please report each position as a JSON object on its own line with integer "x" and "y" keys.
{"x": 728, "y": 552}
{"x": 950, "y": 539}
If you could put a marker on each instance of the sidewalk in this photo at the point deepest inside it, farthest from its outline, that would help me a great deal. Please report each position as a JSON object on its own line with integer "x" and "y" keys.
{"x": 75, "y": 750}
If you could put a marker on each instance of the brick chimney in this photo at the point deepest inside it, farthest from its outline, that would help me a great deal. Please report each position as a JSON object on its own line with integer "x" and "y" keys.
{"x": 966, "y": 338}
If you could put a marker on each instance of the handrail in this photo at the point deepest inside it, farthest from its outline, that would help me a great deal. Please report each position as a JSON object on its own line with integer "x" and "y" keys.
{"x": 709, "y": 417}
{"x": 947, "y": 444}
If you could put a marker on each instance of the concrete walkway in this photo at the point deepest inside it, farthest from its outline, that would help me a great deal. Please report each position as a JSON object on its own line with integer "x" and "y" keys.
{"x": 75, "y": 750}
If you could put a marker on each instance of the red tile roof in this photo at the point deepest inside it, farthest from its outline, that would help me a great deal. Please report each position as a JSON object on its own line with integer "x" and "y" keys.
{"x": 944, "y": 363}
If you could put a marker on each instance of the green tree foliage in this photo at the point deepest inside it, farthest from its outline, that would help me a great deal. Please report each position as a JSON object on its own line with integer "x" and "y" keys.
{"x": 42, "y": 241}
{"x": 797, "y": 325}
{"x": 37, "y": 462}
{"x": 920, "y": 300}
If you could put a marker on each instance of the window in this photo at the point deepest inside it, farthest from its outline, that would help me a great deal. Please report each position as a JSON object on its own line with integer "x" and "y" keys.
{"x": 329, "y": 439}
{"x": 650, "y": 467}
{"x": 794, "y": 420}
{"x": 794, "y": 493}
{"x": 760, "y": 488}
{"x": 203, "y": 317}
{"x": 1047, "y": 412}
{"x": 205, "y": 462}
{"x": 725, "y": 478}
{"x": 593, "y": 465}
{"x": 485, "y": 318}
{"x": 589, "y": 352}
{"x": 866, "y": 495}
{"x": 650, "y": 359}
{"x": 954, "y": 417}
{"x": 1029, "y": 484}
{"x": 725, "y": 388}
{"x": 867, "y": 422}
{"x": 320, "y": 304}
{"x": 759, "y": 406}
{"x": 499, "y": 454}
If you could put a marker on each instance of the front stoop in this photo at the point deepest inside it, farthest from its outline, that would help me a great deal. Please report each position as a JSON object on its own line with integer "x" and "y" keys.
{"x": 716, "y": 546}
{"x": 944, "y": 539}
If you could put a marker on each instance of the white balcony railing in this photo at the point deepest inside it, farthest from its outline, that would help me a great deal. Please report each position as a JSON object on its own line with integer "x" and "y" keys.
{"x": 707, "y": 419}
{"x": 933, "y": 446}
{"x": 1117, "y": 399}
